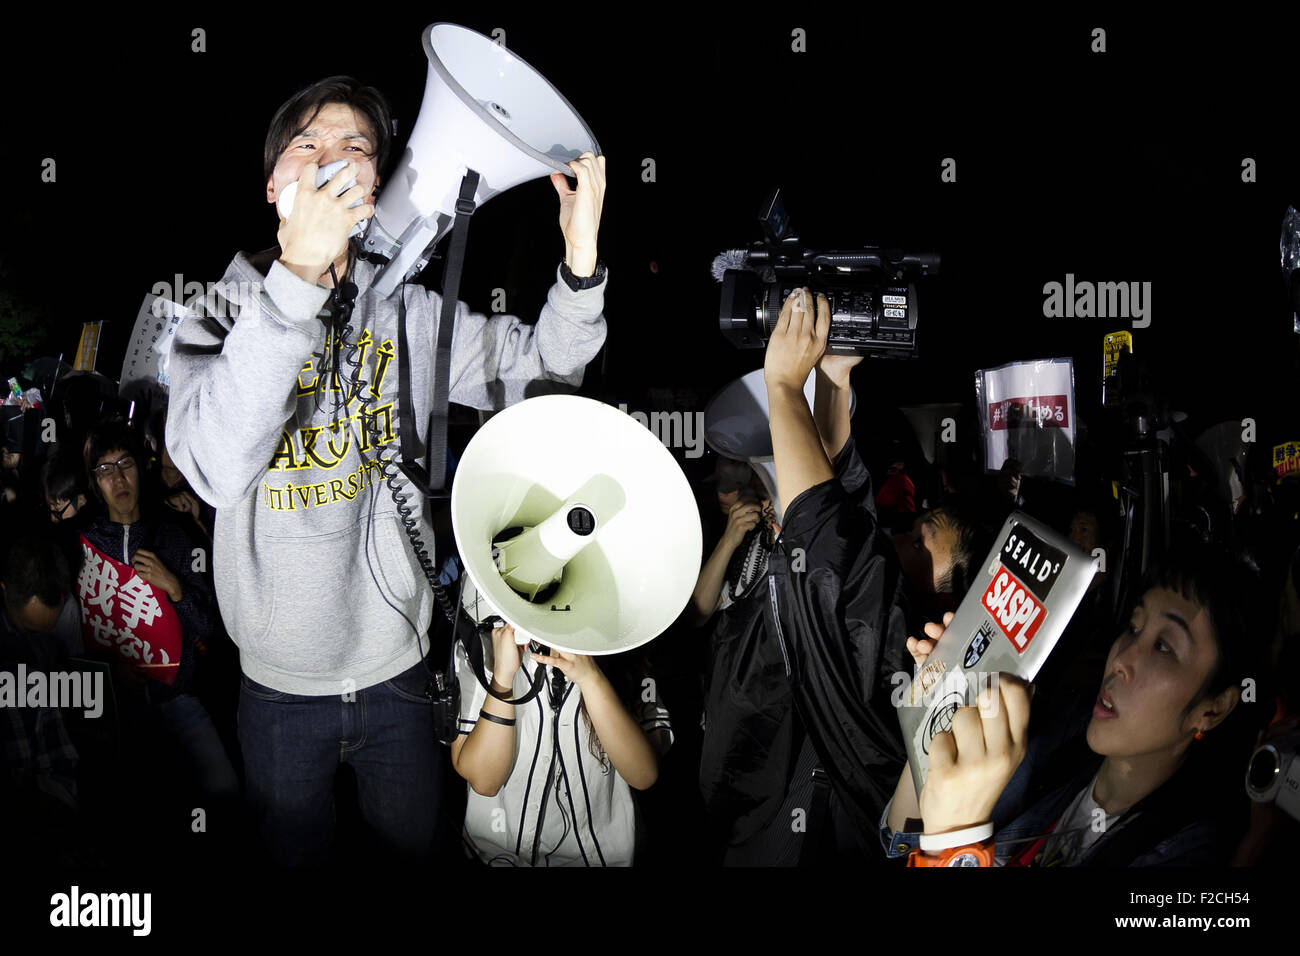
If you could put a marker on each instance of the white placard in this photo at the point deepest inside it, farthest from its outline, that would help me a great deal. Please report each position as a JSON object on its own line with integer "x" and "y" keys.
{"x": 144, "y": 367}
{"x": 1027, "y": 412}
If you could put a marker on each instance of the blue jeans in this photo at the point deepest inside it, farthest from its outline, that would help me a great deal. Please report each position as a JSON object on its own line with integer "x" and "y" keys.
{"x": 293, "y": 746}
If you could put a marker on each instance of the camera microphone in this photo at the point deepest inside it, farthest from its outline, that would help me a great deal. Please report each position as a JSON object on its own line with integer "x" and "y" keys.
{"x": 739, "y": 259}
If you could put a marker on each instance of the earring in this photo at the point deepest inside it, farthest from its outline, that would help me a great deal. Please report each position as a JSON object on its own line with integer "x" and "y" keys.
{"x": 1200, "y": 736}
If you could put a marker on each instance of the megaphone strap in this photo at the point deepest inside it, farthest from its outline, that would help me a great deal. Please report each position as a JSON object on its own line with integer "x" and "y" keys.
{"x": 475, "y": 650}
{"x": 446, "y": 321}
{"x": 432, "y": 481}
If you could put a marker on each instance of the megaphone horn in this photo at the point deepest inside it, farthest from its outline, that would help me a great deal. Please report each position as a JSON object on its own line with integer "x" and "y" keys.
{"x": 484, "y": 109}
{"x": 575, "y": 525}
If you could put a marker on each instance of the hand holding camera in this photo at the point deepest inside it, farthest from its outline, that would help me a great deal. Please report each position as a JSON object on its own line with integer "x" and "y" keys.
{"x": 798, "y": 341}
{"x": 836, "y": 368}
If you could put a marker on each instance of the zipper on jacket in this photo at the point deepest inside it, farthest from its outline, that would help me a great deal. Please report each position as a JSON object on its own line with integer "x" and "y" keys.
{"x": 126, "y": 534}
{"x": 776, "y": 620}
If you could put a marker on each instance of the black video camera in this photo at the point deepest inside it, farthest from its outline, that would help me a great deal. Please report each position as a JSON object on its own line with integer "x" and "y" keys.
{"x": 872, "y": 291}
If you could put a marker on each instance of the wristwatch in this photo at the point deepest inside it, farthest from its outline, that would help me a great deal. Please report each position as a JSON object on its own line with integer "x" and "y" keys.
{"x": 972, "y": 846}
{"x": 972, "y": 854}
{"x": 577, "y": 284}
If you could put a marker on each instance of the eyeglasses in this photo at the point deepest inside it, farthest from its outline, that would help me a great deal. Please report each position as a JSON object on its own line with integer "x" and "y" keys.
{"x": 107, "y": 468}
{"x": 58, "y": 513}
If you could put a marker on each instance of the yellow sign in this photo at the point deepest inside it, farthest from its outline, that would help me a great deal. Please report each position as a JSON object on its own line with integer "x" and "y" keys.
{"x": 1113, "y": 345}
{"x": 88, "y": 350}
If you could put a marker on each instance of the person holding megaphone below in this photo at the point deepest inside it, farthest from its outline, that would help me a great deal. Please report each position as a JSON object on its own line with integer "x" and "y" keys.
{"x": 288, "y": 381}
{"x": 549, "y": 780}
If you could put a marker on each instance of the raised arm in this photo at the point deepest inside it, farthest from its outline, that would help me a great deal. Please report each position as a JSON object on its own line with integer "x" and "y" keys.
{"x": 797, "y": 342}
{"x": 831, "y": 401}
{"x": 498, "y": 360}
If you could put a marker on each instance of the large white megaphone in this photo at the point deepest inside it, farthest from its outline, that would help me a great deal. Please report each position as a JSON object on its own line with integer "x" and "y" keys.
{"x": 575, "y": 525}
{"x": 736, "y": 425}
{"x": 484, "y": 109}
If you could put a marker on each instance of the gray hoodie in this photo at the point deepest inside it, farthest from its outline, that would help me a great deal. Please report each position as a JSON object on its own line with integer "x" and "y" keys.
{"x": 316, "y": 581}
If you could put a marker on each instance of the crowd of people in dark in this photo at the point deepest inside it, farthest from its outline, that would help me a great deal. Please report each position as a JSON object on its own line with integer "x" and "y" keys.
{"x": 89, "y": 518}
{"x": 231, "y": 571}
{"x": 728, "y": 768}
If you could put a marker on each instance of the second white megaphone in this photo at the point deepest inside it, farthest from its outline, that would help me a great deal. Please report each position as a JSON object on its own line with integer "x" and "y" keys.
{"x": 575, "y": 525}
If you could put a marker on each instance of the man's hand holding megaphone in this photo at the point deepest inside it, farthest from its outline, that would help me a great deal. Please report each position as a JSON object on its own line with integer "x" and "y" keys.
{"x": 580, "y": 212}
{"x": 316, "y": 233}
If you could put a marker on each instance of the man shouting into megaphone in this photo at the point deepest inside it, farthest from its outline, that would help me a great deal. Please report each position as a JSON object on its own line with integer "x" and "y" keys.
{"x": 279, "y": 428}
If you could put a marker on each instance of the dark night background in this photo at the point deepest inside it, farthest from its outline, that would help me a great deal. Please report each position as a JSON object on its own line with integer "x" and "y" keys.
{"x": 1122, "y": 166}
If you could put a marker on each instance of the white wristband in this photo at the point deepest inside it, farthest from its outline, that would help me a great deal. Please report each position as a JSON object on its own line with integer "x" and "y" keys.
{"x": 935, "y": 842}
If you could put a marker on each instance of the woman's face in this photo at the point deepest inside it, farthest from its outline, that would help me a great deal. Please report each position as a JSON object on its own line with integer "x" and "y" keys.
{"x": 754, "y": 490}
{"x": 758, "y": 493}
{"x": 1155, "y": 669}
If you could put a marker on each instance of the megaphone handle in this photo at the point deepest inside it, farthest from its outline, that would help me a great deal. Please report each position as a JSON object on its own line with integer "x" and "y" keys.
{"x": 475, "y": 650}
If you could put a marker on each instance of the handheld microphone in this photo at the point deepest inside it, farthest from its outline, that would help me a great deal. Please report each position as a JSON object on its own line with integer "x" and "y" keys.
{"x": 323, "y": 175}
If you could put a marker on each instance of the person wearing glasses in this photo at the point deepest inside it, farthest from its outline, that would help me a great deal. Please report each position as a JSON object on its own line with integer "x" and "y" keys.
{"x": 145, "y": 602}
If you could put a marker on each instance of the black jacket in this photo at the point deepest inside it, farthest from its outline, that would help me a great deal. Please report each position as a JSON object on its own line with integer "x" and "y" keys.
{"x": 815, "y": 650}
